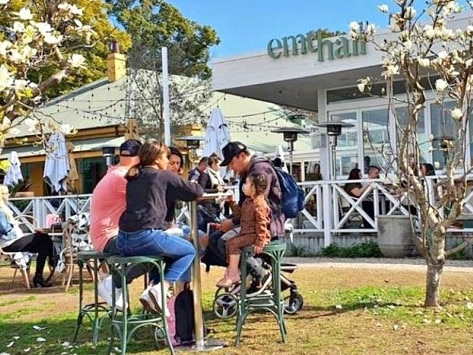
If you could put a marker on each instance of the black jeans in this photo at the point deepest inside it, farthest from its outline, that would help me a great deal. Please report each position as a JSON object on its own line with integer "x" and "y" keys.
{"x": 38, "y": 243}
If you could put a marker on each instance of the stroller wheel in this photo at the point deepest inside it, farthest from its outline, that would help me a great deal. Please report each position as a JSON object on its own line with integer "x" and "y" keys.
{"x": 293, "y": 303}
{"x": 225, "y": 306}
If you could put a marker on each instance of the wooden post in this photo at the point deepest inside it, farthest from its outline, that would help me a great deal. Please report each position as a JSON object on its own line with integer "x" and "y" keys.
{"x": 132, "y": 129}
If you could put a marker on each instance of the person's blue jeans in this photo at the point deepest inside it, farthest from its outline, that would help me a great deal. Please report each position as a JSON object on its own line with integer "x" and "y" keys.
{"x": 179, "y": 253}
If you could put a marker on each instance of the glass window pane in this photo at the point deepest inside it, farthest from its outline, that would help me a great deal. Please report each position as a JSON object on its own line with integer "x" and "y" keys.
{"x": 444, "y": 128}
{"x": 346, "y": 151}
{"x": 423, "y": 140}
{"x": 375, "y": 138}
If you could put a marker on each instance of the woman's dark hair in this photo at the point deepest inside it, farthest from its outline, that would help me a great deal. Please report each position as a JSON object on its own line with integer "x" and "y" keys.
{"x": 150, "y": 150}
{"x": 214, "y": 158}
{"x": 259, "y": 181}
{"x": 429, "y": 169}
{"x": 177, "y": 153}
{"x": 354, "y": 174}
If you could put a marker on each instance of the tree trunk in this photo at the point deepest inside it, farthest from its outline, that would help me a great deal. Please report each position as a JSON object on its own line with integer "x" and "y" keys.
{"x": 435, "y": 258}
{"x": 434, "y": 276}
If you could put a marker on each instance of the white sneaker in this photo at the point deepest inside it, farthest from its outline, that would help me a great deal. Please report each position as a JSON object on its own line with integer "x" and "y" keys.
{"x": 104, "y": 290}
{"x": 148, "y": 303}
{"x": 156, "y": 297}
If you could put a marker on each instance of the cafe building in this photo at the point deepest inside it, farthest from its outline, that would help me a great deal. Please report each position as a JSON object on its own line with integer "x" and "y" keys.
{"x": 307, "y": 71}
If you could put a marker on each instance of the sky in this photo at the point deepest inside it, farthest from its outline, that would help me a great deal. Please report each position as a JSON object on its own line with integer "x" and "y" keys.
{"x": 246, "y": 26}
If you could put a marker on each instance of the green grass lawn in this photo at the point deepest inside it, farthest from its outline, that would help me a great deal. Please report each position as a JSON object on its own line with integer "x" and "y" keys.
{"x": 346, "y": 311}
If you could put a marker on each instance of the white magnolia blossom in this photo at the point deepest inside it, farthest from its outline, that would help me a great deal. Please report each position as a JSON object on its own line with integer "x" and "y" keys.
{"x": 4, "y": 2}
{"x": 52, "y": 40}
{"x": 25, "y": 14}
{"x": 32, "y": 123}
{"x": 410, "y": 13}
{"x": 44, "y": 28}
{"x": 383, "y": 8}
{"x": 424, "y": 62}
{"x": 76, "y": 60}
{"x": 66, "y": 129}
{"x": 457, "y": 113}
{"x": 441, "y": 85}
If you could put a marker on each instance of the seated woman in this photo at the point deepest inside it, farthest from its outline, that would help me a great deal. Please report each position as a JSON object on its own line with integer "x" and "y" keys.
{"x": 356, "y": 189}
{"x": 12, "y": 240}
{"x": 212, "y": 182}
{"x": 141, "y": 224}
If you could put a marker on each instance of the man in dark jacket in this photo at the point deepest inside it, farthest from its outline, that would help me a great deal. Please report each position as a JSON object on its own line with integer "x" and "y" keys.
{"x": 238, "y": 158}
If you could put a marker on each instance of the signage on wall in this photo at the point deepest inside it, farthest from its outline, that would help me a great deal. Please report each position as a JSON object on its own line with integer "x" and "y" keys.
{"x": 313, "y": 42}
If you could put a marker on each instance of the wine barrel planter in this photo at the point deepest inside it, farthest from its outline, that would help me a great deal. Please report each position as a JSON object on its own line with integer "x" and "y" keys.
{"x": 395, "y": 236}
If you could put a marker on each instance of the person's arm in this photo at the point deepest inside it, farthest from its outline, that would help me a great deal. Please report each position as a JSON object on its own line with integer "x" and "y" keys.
{"x": 182, "y": 189}
{"x": 5, "y": 226}
{"x": 263, "y": 236}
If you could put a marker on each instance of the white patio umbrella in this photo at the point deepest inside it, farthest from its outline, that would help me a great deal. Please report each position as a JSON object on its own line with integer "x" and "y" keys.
{"x": 56, "y": 165}
{"x": 14, "y": 174}
{"x": 280, "y": 154}
{"x": 217, "y": 134}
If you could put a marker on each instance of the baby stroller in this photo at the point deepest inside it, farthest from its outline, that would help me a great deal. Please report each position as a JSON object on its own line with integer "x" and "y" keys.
{"x": 225, "y": 303}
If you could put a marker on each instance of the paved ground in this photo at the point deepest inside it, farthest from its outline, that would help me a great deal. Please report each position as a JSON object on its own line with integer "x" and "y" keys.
{"x": 378, "y": 263}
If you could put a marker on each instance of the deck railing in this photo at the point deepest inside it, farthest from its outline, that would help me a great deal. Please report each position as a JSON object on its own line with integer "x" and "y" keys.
{"x": 329, "y": 209}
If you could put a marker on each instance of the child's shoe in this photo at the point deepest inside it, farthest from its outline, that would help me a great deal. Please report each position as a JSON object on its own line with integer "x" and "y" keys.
{"x": 231, "y": 277}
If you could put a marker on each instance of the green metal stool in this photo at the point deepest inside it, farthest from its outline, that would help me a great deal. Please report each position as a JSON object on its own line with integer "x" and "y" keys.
{"x": 96, "y": 309}
{"x": 270, "y": 300}
{"x": 124, "y": 324}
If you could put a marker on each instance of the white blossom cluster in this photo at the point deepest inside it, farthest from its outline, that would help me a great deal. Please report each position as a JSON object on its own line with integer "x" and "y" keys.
{"x": 425, "y": 48}
{"x": 29, "y": 43}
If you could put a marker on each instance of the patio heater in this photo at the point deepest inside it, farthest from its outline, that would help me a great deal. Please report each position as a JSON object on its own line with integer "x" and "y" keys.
{"x": 192, "y": 144}
{"x": 290, "y": 136}
{"x": 108, "y": 153}
{"x": 334, "y": 129}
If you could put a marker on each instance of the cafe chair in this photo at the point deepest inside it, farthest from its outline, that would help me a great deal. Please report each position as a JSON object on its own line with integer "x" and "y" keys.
{"x": 268, "y": 301}
{"x": 75, "y": 239}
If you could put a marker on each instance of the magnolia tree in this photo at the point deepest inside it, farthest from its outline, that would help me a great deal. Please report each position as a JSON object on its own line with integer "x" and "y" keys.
{"x": 430, "y": 61}
{"x": 44, "y": 33}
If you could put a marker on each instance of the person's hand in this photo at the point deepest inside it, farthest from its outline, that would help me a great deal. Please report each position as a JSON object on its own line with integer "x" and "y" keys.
{"x": 230, "y": 197}
{"x": 225, "y": 225}
{"x": 257, "y": 249}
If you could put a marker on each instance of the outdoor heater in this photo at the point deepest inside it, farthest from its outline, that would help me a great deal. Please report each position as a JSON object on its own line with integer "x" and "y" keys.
{"x": 334, "y": 129}
{"x": 290, "y": 136}
{"x": 108, "y": 153}
{"x": 192, "y": 144}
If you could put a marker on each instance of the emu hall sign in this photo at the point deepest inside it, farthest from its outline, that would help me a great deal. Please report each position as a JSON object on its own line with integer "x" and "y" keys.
{"x": 313, "y": 42}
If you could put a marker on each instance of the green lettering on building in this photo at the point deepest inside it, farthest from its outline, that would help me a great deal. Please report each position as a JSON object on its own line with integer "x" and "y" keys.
{"x": 314, "y": 42}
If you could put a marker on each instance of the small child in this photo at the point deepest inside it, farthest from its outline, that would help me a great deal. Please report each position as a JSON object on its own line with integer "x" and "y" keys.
{"x": 254, "y": 221}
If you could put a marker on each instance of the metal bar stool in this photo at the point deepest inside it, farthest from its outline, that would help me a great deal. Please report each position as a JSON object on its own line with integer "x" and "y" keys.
{"x": 93, "y": 310}
{"x": 271, "y": 300}
{"x": 124, "y": 324}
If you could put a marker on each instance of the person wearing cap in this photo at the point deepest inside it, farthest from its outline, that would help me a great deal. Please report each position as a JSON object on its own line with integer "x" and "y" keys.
{"x": 107, "y": 204}
{"x": 239, "y": 159}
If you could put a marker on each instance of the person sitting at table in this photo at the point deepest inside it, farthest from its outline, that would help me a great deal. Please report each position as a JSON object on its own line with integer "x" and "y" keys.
{"x": 12, "y": 240}
{"x": 141, "y": 224}
{"x": 356, "y": 189}
{"x": 209, "y": 210}
{"x": 106, "y": 206}
{"x": 254, "y": 223}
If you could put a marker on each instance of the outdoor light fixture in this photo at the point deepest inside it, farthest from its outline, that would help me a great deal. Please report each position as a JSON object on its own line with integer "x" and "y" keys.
{"x": 334, "y": 129}
{"x": 108, "y": 153}
{"x": 290, "y": 136}
{"x": 192, "y": 144}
